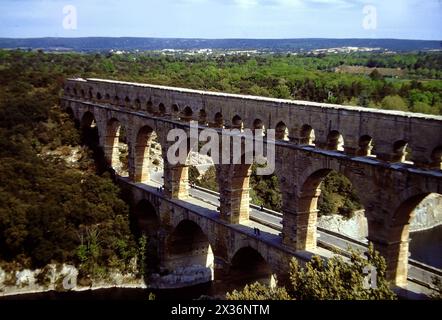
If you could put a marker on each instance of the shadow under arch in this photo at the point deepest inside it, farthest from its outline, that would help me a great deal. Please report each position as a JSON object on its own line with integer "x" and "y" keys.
{"x": 70, "y": 113}
{"x": 248, "y": 266}
{"x": 188, "y": 251}
{"x": 116, "y": 147}
{"x": 145, "y": 223}
{"x": 145, "y": 218}
{"x": 90, "y": 136}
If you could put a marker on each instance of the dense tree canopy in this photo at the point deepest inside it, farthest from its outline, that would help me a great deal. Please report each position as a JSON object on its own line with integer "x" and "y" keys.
{"x": 332, "y": 279}
{"x": 50, "y": 205}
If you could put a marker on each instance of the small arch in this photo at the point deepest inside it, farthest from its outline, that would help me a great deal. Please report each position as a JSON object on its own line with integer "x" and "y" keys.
{"x": 365, "y": 146}
{"x": 116, "y": 100}
{"x": 258, "y": 125}
{"x": 75, "y": 92}
{"x": 91, "y": 95}
{"x": 281, "y": 132}
{"x": 400, "y": 151}
{"x": 137, "y": 104}
{"x": 175, "y": 112}
{"x": 162, "y": 108}
{"x": 248, "y": 266}
{"x": 187, "y": 114}
{"x": 142, "y": 154}
{"x": 127, "y": 101}
{"x": 98, "y": 95}
{"x": 219, "y": 120}
{"x": 436, "y": 158}
{"x": 83, "y": 95}
{"x": 307, "y": 135}
{"x": 149, "y": 106}
{"x": 107, "y": 97}
{"x": 237, "y": 122}
{"x": 68, "y": 90}
{"x": 335, "y": 141}
{"x": 202, "y": 117}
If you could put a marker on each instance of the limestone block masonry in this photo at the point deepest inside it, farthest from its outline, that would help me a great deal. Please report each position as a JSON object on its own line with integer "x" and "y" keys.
{"x": 392, "y": 158}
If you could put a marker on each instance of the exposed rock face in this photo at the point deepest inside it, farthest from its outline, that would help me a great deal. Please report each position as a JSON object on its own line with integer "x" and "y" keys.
{"x": 355, "y": 227}
{"x": 71, "y": 155}
{"x": 61, "y": 278}
{"x": 201, "y": 162}
{"x": 428, "y": 214}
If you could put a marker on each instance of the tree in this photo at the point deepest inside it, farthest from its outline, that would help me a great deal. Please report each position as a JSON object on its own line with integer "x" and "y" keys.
{"x": 265, "y": 190}
{"x": 336, "y": 279}
{"x": 376, "y": 75}
{"x": 259, "y": 291}
{"x": 332, "y": 279}
{"x": 338, "y": 196}
{"x": 422, "y": 107}
{"x": 207, "y": 180}
{"x": 394, "y": 103}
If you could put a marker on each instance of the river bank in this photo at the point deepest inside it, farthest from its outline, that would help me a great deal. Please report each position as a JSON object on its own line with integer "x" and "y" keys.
{"x": 62, "y": 278}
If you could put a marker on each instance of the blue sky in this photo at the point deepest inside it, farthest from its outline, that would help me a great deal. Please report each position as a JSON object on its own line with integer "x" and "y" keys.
{"x": 403, "y": 19}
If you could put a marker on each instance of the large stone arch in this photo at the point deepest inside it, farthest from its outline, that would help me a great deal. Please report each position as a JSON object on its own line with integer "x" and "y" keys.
{"x": 87, "y": 120}
{"x": 304, "y": 217}
{"x": 234, "y": 187}
{"x": 117, "y": 131}
{"x": 111, "y": 142}
{"x": 188, "y": 247}
{"x": 247, "y": 265}
{"x": 145, "y": 217}
{"x": 281, "y": 131}
{"x": 144, "y": 137}
{"x": 392, "y": 236}
{"x": 176, "y": 175}
{"x": 70, "y": 111}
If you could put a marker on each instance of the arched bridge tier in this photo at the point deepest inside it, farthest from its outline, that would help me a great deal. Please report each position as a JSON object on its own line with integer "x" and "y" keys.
{"x": 393, "y": 159}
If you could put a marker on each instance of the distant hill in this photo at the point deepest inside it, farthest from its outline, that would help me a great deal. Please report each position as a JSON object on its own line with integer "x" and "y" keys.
{"x": 104, "y": 44}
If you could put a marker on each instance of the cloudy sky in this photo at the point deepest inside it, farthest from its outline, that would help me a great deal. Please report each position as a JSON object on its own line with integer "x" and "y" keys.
{"x": 404, "y": 19}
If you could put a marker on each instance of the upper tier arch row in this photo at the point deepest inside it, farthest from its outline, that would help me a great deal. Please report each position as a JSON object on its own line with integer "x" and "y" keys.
{"x": 389, "y": 135}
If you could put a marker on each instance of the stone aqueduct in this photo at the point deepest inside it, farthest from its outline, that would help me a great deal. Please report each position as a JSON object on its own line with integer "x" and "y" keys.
{"x": 393, "y": 160}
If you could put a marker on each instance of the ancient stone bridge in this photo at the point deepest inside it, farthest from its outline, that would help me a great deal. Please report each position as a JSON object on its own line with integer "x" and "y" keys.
{"x": 393, "y": 160}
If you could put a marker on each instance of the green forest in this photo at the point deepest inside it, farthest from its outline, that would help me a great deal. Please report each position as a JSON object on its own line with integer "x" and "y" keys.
{"x": 47, "y": 212}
